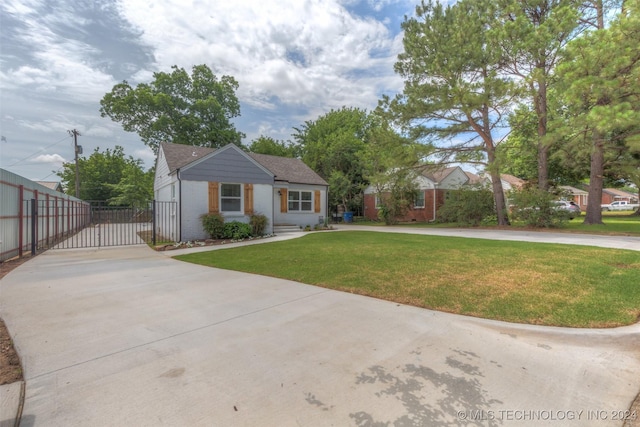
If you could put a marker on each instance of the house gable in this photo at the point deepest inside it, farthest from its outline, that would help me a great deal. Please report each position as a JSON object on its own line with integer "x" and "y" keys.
{"x": 424, "y": 183}
{"x": 455, "y": 179}
{"x": 228, "y": 164}
{"x": 161, "y": 177}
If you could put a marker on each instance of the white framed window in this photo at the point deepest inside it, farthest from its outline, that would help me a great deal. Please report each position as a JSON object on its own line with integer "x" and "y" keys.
{"x": 377, "y": 201}
{"x": 300, "y": 201}
{"x": 230, "y": 197}
{"x": 418, "y": 202}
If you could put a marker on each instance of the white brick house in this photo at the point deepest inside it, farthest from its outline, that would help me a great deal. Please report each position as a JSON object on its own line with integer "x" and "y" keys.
{"x": 236, "y": 184}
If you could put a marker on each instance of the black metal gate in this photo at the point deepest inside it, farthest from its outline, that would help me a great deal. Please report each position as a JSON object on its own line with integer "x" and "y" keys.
{"x": 98, "y": 224}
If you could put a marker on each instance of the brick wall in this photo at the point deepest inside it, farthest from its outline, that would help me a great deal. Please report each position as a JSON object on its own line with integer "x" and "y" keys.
{"x": 415, "y": 215}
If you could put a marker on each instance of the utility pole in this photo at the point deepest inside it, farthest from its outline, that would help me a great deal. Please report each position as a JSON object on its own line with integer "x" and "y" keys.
{"x": 77, "y": 150}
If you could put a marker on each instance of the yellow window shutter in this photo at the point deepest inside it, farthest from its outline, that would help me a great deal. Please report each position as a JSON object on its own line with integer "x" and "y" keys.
{"x": 213, "y": 198}
{"x": 316, "y": 201}
{"x": 283, "y": 200}
{"x": 248, "y": 199}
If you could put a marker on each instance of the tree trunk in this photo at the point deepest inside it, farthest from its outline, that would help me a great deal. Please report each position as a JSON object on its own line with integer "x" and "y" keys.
{"x": 499, "y": 199}
{"x": 541, "y": 112}
{"x": 496, "y": 184}
{"x": 543, "y": 166}
{"x": 594, "y": 212}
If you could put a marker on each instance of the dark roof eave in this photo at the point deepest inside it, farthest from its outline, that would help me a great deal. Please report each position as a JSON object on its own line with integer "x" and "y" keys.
{"x": 301, "y": 183}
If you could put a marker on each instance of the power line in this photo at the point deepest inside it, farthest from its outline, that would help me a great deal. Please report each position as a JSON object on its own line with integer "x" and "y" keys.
{"x": 52, "y": 172}
{"x": 38, "y": 152}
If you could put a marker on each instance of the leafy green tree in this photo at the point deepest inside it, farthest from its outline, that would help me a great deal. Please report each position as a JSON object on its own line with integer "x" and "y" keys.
{"x": 392, "y": 163}
{"x": 536, "y": 207}
{"x": 134, "y": 188}
{"x": 533, "y": 33}
{"x": 177, "y": 107}
{"x": 268, "y": 145}
{"x": 331, "y": 146}
{"x": 470, "y": 206}
{"x": 455, "y": 95}
{"x": 109, "y": 176}
{"x": 396, "y": 195}
{"x": 627, "y": 171}
{"x": 519, "y": 155}
{"x": 599, "y": 93}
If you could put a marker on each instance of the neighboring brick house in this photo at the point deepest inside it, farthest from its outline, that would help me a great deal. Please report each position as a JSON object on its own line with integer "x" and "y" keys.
{"x": 433, "y": 185}
{"x": 615, "y": 195}
{"x": 236, "y": 184}
{"x": 580, "y": 197}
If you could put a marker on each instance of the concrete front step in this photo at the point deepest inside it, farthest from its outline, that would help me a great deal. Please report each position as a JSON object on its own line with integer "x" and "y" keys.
{"x": 285, "y": 228}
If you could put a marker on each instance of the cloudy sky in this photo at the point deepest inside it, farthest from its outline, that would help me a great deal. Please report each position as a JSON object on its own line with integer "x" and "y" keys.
{"x": 293, "y": 59}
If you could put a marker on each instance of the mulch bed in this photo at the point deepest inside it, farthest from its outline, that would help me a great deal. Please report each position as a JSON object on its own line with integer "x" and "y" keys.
{"x": 10, "y": 369}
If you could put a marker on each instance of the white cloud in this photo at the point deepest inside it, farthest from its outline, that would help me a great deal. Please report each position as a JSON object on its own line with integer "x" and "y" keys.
{"x": 294, "y": 60}
{"x": 98, "y": 131}
{"x": 58, "y": 65}
{"x": 54, "y": 159}
{"x": 22, "y": 7}
{"x": 298, "y": 52}
{"x": 57, "y": 125}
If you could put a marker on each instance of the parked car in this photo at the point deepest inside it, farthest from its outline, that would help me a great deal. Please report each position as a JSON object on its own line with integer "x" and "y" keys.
{"x": 571, "y": 207}
{"x": 619, "y": 206}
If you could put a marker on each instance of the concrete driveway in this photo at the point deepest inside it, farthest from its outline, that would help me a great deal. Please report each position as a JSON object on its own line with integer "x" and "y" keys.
{"x": 130, "y": 337}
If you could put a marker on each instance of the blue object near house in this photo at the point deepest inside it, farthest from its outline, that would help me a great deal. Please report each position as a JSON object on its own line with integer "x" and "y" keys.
{"x": 347, "y": 217}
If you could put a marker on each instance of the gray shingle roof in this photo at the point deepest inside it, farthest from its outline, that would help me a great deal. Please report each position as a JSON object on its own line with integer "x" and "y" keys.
{"x": 618, "y": 192}
{"x": 180, "y": 155}
{"x": 288, "y": 169}
{"x": 437, "y": 173}
{"x": 284, "y": 168}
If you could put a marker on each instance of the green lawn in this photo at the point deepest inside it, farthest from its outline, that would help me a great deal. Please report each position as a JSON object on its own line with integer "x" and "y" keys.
{"x": 521, "y": 282}
{"x": 614, "y": 223}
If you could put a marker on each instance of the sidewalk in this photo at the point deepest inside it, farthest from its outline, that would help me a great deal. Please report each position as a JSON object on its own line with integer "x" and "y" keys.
{"x": 614, "y": 242}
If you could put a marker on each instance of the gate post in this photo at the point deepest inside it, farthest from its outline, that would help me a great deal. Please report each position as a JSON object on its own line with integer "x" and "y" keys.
{"x": 153, "y": 223}
{"x": 34, "y": 229}
{"x": 21, "y": 224}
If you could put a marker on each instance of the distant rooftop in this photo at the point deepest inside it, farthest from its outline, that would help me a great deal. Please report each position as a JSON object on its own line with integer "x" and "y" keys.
{"x": 52, "y": 185}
